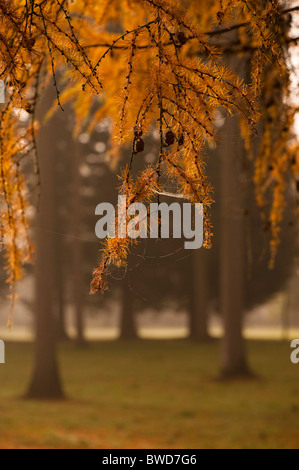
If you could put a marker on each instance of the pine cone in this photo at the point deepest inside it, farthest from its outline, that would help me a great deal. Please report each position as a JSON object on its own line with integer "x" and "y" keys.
{"x": 138, "y": 131}
{"x": 169, "y": 138}
{"x": 181, "y": 140}
{"x": 30, "y": 43}
{"x": 182, "y": 38}
{"x": 139, "y": 145}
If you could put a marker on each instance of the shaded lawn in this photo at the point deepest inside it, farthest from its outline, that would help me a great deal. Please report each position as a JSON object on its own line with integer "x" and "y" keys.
{"x": 153, "y": 394}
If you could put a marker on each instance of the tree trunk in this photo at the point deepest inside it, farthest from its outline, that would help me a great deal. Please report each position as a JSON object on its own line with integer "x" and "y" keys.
{"x": 232, "y": 236}
{"x": 199, "y": 297}
{"x": 128, "y": 327}
{"x": 61, "y": 331}
{"x": 45, "y": 383}
{"x": 77, "y": 251}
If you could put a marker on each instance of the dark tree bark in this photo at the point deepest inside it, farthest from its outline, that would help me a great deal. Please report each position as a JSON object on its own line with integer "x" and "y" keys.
{"x": 128, "y": 327}
{"x": 45, "y": 383}
{"x": 199, "y": 305}
{"x": 232, "y": 239}
{"x": 77, "y": 278}
{"x": 59, "y": 283}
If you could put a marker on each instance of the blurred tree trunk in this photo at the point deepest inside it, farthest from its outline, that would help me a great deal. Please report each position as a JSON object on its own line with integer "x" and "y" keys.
{"x": 199, "y": 297}
{"x": 128, "y": 327}
{"x": 45, "y": 383}
{"x": 59, "y": 289}
{"x": 232, "y": 238}
{"x": 77, "y": 250}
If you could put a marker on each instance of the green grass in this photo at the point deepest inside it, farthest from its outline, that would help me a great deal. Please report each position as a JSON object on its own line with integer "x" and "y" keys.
{"x": 153, "y": 394}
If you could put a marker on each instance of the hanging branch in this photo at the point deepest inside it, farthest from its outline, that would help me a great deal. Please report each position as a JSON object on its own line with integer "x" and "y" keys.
{"x": 163, "y": 69}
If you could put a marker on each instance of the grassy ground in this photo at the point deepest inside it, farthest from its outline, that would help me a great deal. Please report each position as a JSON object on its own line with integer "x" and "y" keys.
{"x": 153, "y": 394}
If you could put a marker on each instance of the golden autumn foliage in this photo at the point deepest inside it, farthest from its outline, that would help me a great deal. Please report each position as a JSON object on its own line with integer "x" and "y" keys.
{"x": 147, "y": 64}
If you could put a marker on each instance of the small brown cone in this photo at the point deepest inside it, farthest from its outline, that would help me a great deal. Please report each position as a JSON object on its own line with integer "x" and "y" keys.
{"x": 182, "y": 38}
{"x": 139, "y": 145}
{"x": 169, "y": 138}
